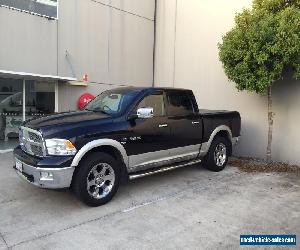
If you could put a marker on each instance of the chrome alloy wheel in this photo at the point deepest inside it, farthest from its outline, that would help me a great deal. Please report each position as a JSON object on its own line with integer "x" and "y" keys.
{"x": 100, "y": 180}
{"x": 220, "y": 155}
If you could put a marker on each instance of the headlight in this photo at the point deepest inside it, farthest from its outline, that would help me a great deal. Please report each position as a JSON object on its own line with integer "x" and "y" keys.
{"x": 60, "y": 147}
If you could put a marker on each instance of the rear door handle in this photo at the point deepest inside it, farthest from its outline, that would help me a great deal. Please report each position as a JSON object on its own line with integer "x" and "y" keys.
{"x": 163, "y": 125}
{"x": 195, "y": 122}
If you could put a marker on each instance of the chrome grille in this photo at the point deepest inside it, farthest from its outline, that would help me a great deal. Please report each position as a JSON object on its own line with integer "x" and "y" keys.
{"x": 31, "y": 141}
{"x": 34, "y": 137}
{"x": 37, "y": 150}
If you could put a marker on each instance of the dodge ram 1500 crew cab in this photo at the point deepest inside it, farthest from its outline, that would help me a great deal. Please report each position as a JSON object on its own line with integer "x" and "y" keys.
{"x": 123, "y": 134}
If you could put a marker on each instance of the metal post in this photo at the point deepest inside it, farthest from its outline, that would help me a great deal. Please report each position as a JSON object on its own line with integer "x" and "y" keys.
{"x": 56, "y": 97}
{"x": 24, "y": 99}
{"x": 154, "y": 43}
{"x": 175, "y": 36}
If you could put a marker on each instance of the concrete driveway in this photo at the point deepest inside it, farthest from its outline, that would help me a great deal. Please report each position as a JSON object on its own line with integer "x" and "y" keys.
{"x": 188, "y": 208}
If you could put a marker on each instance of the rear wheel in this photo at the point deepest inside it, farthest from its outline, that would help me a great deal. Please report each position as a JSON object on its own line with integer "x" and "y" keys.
{"x": 217, "y": 155}
{"x": 97, "y": 179}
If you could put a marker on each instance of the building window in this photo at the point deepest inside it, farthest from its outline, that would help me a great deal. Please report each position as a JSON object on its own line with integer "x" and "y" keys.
{"x": 42, "y": 7}
{"x": 11, "y": 111}
{"x": 39, "y": 101}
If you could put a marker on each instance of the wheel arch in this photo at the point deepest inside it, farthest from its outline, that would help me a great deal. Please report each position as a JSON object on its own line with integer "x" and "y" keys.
{"x": 223, "y": 131}
{"x": 109, "y": 146}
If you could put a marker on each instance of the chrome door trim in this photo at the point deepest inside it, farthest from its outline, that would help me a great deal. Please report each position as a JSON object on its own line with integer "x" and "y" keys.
{"x": 163, "y": 157}
{"x": 141, "y": 161}
{"x": 185, "y": 153}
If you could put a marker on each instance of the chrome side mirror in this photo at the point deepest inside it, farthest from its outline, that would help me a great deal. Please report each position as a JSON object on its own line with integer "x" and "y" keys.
{"x": 145, "y": 112}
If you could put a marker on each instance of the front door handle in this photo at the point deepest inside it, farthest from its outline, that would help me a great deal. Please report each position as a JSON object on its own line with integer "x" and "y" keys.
{"x": 195, "y": 122}
{"x": 163, "y": 125}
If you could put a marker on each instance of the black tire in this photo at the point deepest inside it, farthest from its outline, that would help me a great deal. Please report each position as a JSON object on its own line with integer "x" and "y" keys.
{"x": 210, "y": 162}
{"x": 97, "y": 161}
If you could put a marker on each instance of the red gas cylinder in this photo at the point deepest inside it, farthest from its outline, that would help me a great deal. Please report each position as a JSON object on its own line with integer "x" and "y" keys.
{"x": 84, "y": 99}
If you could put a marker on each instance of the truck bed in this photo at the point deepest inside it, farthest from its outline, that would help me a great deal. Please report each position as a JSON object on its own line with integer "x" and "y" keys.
{"x": 215, "y": 118}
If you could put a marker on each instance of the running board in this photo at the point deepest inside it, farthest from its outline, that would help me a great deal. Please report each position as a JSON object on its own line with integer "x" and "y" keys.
{"x": 162, "y": 169}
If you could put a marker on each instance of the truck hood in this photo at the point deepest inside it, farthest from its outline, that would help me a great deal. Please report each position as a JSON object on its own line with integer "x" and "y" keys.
{"x": 63, "y": 124}
{"x": 64, "y": 118}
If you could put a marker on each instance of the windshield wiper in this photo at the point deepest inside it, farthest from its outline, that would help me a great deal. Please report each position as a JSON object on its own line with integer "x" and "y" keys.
{"x": 89, "y": 110}
{"x": 98, "y": 110}
{"x": 104, "y": 112}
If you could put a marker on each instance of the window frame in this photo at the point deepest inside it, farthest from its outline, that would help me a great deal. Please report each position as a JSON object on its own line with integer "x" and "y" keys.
{"x": 24, "y": 84}
{"x": 186, "y": 92}
{"x": 134, "y": 109}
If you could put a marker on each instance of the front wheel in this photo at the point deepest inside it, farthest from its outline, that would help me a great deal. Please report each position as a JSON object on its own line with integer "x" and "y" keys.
{"x": 217, "y": 155}
{"x": 97, "y": 179}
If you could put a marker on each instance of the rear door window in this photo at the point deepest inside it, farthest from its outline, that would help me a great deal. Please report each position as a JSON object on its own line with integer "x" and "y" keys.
{"x": 179, "y": 103}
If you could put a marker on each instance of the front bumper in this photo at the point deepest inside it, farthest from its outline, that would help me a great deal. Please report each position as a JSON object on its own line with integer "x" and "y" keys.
{"x": 57, "y": 178}
{"x": 44, "y": 173}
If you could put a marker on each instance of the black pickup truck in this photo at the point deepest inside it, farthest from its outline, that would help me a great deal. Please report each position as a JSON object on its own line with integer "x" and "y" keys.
{"x": 123, "y": 134}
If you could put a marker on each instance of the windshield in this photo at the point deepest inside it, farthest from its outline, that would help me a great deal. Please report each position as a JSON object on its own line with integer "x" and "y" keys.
{"x": 112, "y": 101}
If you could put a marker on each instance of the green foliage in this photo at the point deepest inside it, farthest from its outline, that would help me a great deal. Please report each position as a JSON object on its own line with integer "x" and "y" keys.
{"x": 264, "y": 43}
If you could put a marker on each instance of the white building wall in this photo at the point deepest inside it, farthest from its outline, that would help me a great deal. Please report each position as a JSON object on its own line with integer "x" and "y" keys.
{"x": 28, "y": 43}
{"x": 83, "y": 29}
{"x": 111, "y": 41}
{"x": 141, "y": 8}
{"x": 286, "y": 141}
{"x": 165, "y": 43}
{"x": 131, "y": 49}
{"x": 188, "y": 32}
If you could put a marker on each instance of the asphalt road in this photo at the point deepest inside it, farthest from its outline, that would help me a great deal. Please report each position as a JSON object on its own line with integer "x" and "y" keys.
{"x": 189, "y": 208}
